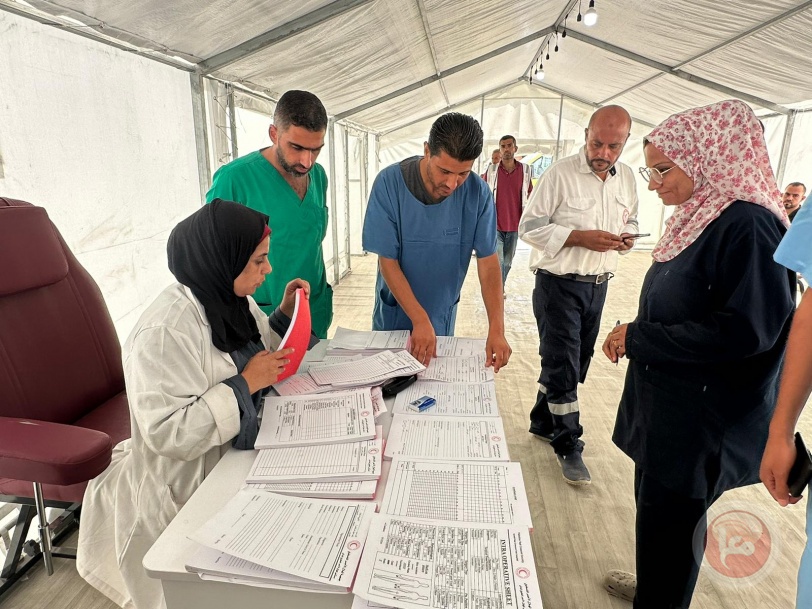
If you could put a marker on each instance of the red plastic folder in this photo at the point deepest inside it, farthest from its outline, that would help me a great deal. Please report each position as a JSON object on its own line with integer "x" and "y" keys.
{"x": 298, "y": 335}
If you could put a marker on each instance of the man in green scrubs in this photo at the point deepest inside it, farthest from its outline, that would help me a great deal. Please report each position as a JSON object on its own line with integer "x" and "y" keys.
{"x": 284, "y": 182}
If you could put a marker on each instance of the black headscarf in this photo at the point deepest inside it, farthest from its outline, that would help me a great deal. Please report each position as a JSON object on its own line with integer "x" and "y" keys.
{"x": 207, "y": 251}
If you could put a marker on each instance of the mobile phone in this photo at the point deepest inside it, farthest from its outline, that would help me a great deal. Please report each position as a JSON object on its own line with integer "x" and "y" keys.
{"x": 637, "y": 235}
{"x": 395, "y": 385}
{"x": 801, "y": 471}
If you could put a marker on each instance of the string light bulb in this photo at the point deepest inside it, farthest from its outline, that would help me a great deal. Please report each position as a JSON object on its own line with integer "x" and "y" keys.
{"x": 539, "y": 74}
{"x": 579, "y": 17}
{"x": 591, "y": 15}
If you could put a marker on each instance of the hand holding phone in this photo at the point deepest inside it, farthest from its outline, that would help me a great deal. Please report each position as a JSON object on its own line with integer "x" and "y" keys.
{"x": 801, "y": 471}
{"x": 636, "y": 236}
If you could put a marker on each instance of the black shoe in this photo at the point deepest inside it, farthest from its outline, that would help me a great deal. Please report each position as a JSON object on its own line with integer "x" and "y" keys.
{"x": 574, "y": 469}
{"x": 545, "y": 436}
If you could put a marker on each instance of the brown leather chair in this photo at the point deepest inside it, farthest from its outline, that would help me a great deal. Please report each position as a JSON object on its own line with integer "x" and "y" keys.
{"x": 62, "y": 400}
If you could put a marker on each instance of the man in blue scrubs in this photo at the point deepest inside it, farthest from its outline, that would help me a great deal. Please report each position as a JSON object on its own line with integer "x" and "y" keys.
{"x": 425, "y": 216}
{"x": 796, "y": 386}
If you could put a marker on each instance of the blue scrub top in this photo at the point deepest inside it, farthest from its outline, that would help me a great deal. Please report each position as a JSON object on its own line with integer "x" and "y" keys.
{"x": 432, "y": 244}
{"x": 794, "y": 251}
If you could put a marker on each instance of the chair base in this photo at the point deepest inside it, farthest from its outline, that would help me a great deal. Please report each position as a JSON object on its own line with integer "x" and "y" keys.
{"x": 24, "y": 554}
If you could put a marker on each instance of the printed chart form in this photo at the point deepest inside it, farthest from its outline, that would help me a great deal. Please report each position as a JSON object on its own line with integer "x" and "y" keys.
{"x": 460, "y": 491}
{"x": 459, "y": 438}
{"x": 460, "y": 399}
{"x": 469, "y": 369}
{"x": 318, "y": 539}
{"x": 456, "y": 346}
{"x": 337, "y": 462}
{"x": 328, "y": 490}
{"x": 370, "y": 370}
{"x": 356, "y": 340}
{"x": 306, "y": 420}
{"x": 413, "y": 564}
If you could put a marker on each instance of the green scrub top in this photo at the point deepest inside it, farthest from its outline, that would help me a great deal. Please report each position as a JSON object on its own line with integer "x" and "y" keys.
{"x": 298, "y": 226}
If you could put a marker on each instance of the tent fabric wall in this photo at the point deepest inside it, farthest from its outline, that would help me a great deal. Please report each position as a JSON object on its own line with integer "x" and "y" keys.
{"x": 104, "y": 141}
{"x": 119, "y": 129}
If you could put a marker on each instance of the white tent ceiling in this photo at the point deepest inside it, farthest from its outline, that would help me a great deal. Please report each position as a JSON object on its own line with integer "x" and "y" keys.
{"x": 386, "y": 63}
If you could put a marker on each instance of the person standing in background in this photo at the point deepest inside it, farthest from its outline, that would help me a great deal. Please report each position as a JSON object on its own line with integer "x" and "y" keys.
{"x": 794, "y": 195}
{"x": 582, "y": 213}
{"x": 510, "y": 184}
{"x": 285, "y": 183}
{"x": 496, "y": 156}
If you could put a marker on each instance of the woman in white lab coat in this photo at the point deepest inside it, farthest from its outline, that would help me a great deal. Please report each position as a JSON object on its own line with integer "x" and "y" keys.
{"x": 196, "y": 366}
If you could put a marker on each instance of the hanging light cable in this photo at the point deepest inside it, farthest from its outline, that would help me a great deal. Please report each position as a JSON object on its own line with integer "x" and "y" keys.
{"x": 591, "y": 15}
{"x": 579, "y": 17}
{"x": 539, "y": 73}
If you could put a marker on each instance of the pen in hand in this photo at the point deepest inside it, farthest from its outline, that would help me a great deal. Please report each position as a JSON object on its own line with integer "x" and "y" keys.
{"x": 617, "y": 356}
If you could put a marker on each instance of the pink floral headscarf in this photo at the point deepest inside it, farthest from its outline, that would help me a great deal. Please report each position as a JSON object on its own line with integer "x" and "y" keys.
{"x": 722, "y": 148}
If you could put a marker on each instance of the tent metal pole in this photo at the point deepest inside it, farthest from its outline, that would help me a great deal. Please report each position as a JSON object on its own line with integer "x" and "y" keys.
{"x": 445, "y": 73}
{"x": 558, "y": 136}
{"x": 232, "y": 120}
{"x": 377, "y": 163}
{"x": 482, "y": 126}
{"x": 347, "y": 196}
{"x": 674, "y": 71}
{"x": 365, "y": 175}
{"x": 558, "y": 22}
{"x": 90, "y": 33}
{"x": 333, "y": 204}
{"x": 461, "y": 103}
{"x": 278, "y": 34}
{"x": 785, "y": 144}
{"x": 754, "y": 30}
{"x": 201, "y": 133}
{"x": 582, "y": 100}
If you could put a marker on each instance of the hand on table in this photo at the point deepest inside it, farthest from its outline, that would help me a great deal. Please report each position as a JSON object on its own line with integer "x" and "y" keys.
{"x": 424, "y": 342}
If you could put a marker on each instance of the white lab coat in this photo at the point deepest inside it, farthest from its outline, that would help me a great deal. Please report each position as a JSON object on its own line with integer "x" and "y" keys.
{"x": 183, "y": 419}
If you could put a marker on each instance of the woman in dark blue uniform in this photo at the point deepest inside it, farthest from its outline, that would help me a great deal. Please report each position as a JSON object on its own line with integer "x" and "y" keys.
{"x": 707, "y": 344}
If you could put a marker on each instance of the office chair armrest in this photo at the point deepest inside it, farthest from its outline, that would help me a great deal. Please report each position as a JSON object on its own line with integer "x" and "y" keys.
{"x": 51, "y": 453}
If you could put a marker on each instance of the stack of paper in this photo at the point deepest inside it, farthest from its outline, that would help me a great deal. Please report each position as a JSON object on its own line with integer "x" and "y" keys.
{"x": 263, "y": 535}
{"x": 357, "y": 342}
{"x": 433, "y": 489}
{"x": 411, "y": 564}
{"x": 339, "y": 417}
{"x": 368, "y": 371}
{"x": 364, "y": 489}
{"x": 439, "y": 437}
{"x": 351, "y": 461}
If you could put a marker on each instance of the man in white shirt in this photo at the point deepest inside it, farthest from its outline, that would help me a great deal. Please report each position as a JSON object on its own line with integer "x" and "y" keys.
{"x": 582, "y": 212}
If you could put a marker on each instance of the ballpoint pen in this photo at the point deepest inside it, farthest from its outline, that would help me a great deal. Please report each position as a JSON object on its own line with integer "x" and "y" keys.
{"x": 617, "y": 361}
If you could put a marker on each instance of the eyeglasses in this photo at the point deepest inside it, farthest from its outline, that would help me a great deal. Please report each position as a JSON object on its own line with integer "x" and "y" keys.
{"x": 652, "y": 173}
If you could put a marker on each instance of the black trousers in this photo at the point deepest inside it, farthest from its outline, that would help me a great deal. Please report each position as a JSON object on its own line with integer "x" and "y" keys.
{"x": 568, "y": 315}
{"x": 667, "y": 527}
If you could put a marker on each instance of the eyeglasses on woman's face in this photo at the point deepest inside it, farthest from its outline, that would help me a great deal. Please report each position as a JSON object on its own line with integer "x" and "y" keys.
{"x": 652, "y": 173}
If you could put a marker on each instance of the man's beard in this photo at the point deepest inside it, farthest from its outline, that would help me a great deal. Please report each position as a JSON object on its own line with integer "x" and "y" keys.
{"x": 291, "y": 169}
